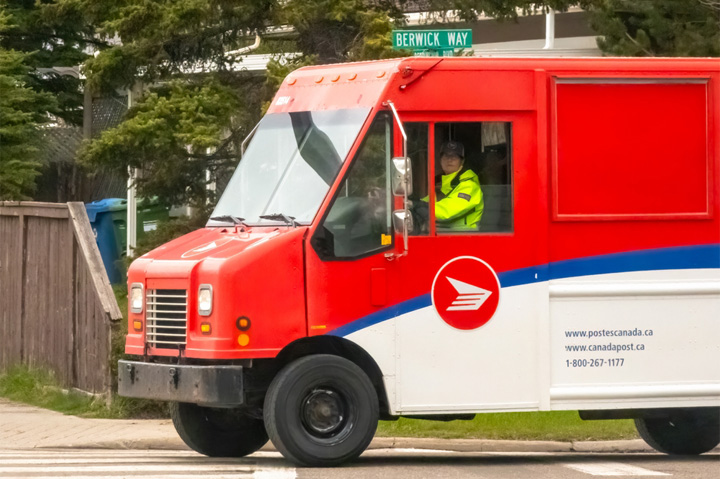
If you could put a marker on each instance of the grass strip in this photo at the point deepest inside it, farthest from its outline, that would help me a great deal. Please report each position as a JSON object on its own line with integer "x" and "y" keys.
{"x": 535, "y": 426}
{"x": 41, "y": 388}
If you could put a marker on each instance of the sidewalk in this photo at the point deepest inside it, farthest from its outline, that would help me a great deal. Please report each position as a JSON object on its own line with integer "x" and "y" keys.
{"x": 23, "y": 427}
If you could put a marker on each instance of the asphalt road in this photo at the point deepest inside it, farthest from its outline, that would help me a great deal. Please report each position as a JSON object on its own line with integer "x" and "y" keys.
{"x": 378, "y": 463}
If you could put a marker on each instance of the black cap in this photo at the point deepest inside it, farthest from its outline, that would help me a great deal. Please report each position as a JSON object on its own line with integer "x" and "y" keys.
{"x": 453, "y": 148}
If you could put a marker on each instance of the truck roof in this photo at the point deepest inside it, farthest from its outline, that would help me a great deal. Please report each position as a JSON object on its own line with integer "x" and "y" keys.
{"x": 362, "y": 84}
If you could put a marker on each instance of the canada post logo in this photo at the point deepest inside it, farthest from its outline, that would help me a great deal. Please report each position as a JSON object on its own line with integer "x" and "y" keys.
{"x": 466, "y": 292}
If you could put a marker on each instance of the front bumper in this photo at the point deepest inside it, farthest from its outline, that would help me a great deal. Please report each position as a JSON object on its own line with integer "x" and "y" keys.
{"x": 217, "y": 386}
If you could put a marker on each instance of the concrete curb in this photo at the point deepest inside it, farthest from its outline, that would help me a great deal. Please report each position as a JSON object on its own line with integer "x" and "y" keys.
{"x": 452, "y": 445}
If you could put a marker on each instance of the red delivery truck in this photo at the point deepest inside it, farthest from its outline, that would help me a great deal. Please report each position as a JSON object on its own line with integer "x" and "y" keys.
{"x": 440, "y": 237}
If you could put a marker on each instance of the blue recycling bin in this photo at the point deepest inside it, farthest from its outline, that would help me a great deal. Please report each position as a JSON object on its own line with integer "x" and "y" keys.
{"x": 108, "y": 219}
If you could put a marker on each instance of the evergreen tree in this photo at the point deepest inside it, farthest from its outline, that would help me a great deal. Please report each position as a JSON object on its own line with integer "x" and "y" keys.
{"x": 196, "y": 104}
{"x": 22, "y": 112}
{"x": 656, "y": 27}
{"x": 50, "y": 40}
{"x": 341, "y": 30}
{"x": 178, "y": 131}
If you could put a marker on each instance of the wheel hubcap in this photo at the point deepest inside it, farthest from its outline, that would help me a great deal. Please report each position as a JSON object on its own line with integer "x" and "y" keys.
{"x": 324, "y": 412}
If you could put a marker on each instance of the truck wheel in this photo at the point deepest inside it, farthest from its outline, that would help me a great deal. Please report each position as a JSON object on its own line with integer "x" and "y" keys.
{"x": 321, "y": 410}
{"x": 218, "y": 432}
{"x": 688, "y": 432}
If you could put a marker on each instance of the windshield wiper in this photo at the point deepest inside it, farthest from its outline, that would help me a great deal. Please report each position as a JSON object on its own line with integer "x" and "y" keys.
{"x": 290, "y": 220}
{"x": 228, "y": 218}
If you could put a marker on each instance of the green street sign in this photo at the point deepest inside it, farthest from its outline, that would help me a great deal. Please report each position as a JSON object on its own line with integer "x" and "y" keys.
{"x": 431, "y": 39}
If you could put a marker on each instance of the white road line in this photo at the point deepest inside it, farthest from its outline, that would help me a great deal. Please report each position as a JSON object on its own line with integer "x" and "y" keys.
{"x": 95, "y": 452}
{"x": 124, "y": 453}
{"x": 73, "y": 464}
{"x": 279, "y": 473}
{"x": 612, "y": 469}
{"x": 409, "y": 450}
{"x": 111, "y": 460}
{"x": 130, "y": 468}
{"x": 265, "y": 454}
{"x": 520, "y": 453}
{"x": 164, "y": 476}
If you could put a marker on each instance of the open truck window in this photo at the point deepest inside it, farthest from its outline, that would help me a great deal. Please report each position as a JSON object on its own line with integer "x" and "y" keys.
{"x": 359, "y": 221}
{"x": 486, "y": 150}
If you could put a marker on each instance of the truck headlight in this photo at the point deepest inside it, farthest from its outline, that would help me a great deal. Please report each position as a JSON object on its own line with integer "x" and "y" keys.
{"x": 137, "y": 298}
{"x": 205, "y": 300}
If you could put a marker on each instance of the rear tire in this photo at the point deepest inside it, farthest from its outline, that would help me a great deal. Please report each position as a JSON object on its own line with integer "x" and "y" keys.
{"x": 689, "y": 432}
{"x": 218, "y": 432}
{"x": 321, "y": 410}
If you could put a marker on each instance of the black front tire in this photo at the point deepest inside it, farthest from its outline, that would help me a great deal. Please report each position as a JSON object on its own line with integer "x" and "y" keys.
{"x": 321, "y": 410}
{"x": 218, "y": 432}
{"x": 687, "y": 432}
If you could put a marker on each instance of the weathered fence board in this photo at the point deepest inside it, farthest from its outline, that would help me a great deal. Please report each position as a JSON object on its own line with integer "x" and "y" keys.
{"x": 92, "y": 342}
{"x": 10, "y": 290}
{"x": 56, "y": 304}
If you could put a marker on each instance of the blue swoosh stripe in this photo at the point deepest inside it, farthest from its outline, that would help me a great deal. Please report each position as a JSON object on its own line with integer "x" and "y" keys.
{"x": 682, "y": 257}
{"x": 384, "y": 314}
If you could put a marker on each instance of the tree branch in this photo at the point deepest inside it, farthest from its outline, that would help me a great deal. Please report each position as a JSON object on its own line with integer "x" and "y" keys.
{"x": 651, "y": 54}
{"x": 714, "y": 4}
{"x": 89, "y": 41}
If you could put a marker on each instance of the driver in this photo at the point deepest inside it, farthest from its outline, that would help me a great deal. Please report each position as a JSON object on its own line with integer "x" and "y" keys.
{"x": 458, "y": 197}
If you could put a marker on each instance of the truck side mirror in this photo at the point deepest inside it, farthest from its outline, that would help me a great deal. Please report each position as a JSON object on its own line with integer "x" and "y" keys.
{"x": 402, "y": 183}
{"x": 403, "y": 221}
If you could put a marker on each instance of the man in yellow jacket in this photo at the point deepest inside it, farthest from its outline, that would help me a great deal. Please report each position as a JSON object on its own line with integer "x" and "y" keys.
{"x": 458, "y": 197}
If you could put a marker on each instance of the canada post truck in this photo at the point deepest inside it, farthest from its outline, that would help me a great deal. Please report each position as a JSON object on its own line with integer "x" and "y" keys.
{"x": 328, "y": 291}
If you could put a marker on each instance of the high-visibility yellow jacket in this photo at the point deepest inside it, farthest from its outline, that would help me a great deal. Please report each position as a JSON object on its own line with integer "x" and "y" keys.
{"x": 459, "y": 204}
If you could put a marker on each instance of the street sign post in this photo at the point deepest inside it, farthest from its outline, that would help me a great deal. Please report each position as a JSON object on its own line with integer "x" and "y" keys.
{"x": 432, "y": 42}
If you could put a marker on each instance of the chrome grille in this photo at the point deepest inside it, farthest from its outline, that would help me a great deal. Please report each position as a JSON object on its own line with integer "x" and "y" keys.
{"x": 166, "y": 318}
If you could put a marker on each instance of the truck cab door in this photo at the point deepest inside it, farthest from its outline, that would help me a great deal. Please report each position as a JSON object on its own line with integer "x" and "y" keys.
{"x": 468, "y": 337}
{"x": 348, "y": 274}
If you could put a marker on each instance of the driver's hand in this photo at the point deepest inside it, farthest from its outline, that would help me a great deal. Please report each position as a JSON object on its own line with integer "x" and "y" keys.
{"x": 422, "y": 210}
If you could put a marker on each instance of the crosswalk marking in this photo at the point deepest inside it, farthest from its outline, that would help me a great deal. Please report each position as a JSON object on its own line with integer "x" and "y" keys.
{"x": 164, "y": 476}
{"x": 256, "y": 475}
{"x": 411, "y": 450}
{"x": 612, "y": 469}
{"x": 98, "y": 464}
{"x": 94, "y": 452}
{"x": 134, "y": 459}
{"x": 128, "y": 468}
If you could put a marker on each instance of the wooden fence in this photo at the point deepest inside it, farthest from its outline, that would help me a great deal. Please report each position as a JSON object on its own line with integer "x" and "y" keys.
{"x": 57, "y": 309}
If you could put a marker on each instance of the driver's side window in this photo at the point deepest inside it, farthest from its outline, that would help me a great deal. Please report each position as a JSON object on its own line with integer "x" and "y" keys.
{"x": 472, "y": 184}
{"x": 359, "y": 221}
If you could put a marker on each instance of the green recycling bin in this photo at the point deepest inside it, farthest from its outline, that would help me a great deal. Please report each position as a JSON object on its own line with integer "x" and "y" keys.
{"x": 149, "y": 214}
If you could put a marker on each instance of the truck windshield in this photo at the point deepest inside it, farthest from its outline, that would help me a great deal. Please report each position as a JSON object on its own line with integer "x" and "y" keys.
{"x": 289, "y": 166}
